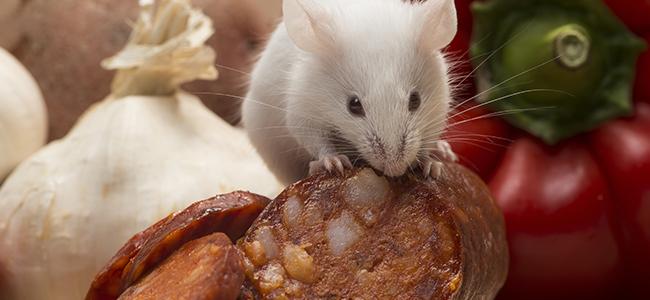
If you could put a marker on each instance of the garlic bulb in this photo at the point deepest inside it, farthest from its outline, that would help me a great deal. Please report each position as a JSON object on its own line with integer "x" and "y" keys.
{"x": 145, "y": 151}
{"x": 23, "y": 117}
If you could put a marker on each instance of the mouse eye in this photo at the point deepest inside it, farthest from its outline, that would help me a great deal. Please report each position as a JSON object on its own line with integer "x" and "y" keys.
{"x": 355, "y": 107}
{"x": 414, "y": 101}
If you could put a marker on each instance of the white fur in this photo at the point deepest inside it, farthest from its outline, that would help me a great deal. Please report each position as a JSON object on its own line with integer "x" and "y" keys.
{"x": 328, "y": 50}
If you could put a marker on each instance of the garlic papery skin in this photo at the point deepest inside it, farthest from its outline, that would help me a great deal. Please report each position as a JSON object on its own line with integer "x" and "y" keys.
{"x": 147, "y": 150}
{"x": 23, "y": 116}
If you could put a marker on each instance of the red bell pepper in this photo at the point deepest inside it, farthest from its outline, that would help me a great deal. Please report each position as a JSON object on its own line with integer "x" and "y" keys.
{"x": 572, "y": 169}
{"x": 460, "y": 66}
{"x": 458, "y": 51}
{"x": 623, "y": 150}
{"x": 642, "y": 81}
{"x": 559, "y": 222}
{"x": 464, "y": 14}
{"x": 634, "y": 13}
{"x": 478, "y": 140}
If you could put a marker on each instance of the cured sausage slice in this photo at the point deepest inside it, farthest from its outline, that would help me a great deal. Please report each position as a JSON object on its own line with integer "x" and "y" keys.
{"x": 208, "y": 268}
{"x": 230, "y": 213}
{"x": 362, "y": 236}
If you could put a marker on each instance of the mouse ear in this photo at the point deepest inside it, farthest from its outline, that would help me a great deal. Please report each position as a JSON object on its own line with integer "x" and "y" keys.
{"x": 440, "y": 23}
{"x": 306, "y": 22}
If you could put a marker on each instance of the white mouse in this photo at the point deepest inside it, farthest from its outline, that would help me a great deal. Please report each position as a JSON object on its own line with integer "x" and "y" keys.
{"x": 344, "y": 81}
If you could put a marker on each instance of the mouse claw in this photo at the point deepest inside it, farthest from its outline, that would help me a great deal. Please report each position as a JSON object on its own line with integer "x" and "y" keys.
{"x": 330, "y": 163}
{"x": 431, "y": 168}
{"x": 444, "y": 152}
{"x": 433, "y": 164}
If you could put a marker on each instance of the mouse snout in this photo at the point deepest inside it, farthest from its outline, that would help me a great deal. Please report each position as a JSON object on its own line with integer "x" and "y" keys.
{"x": 394, "y": 169}
{"x": 378, "y": 148}
{"x": 388, "y": 156}
{"x": 389, "y": 165}
{"x": 384, "y": 152}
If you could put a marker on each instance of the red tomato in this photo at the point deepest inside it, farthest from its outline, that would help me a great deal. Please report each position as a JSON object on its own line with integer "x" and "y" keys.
{"x": 558, "y": 220}
{"x": 623, "y": 147}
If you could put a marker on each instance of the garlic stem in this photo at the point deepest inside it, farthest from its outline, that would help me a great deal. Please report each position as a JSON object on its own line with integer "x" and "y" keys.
{"x": 166, "y": 49}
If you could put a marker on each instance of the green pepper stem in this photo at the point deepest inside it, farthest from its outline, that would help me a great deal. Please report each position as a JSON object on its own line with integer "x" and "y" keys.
{"x": 571, "y": 46}
{"x": 577, "y": 54}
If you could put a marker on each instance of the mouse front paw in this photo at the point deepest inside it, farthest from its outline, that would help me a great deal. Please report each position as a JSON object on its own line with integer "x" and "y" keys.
{"x": 431, "y": 167}
{"x": 432, "y": 164}
{"x": 330, "y": 163}
{"x": 443, "y": 152}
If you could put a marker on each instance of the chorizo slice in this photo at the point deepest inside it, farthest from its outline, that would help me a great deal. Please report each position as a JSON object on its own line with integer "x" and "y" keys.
{"x": 208, "y": 268}
{"x": 363, "y": 236}
{"x": 231, "y": 214}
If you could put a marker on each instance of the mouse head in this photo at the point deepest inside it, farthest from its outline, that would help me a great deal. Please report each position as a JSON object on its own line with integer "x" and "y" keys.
{"x": 370, "y": 77}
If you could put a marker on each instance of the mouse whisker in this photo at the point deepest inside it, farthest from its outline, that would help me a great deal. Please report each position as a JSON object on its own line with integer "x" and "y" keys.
{"x": 494, "y": 52}
{"x": 480, "y": 143}
{"x": 492, "y": 114}
{"x": 509, "y": 79}
{"x": 488, "y": 136}
{"x": 232, "y": 69}
{"x": 425, "y": 118}
{"x": 506, "y": 97}
{"x": 500, "y": 144}
{"x": 294, "y": 151}
{"x": 257, "y": 102}
{"x": 456, "y": 105}
{"x": 497, "y": 114}
{"x": 477, "y": 142}
{"x": 464, "y": 134}
{"x": 467, "y": 162}
{"x": 275, "y": 127}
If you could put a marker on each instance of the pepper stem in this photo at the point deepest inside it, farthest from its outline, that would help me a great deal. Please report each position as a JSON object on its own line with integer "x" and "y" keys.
{"x": 571, "y": 45}
{"x": 564, "y": 67}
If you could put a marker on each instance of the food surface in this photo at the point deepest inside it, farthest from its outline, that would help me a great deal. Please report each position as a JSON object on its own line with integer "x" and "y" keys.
{"x": 205, "y": 268}
{"x": 356, "y": 236}
{"x": 231, "y": 213}
{"x": 362, "y": 236}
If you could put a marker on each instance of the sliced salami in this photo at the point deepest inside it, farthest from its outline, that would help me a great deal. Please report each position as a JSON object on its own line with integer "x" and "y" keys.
{"x": 363, "y": 236}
